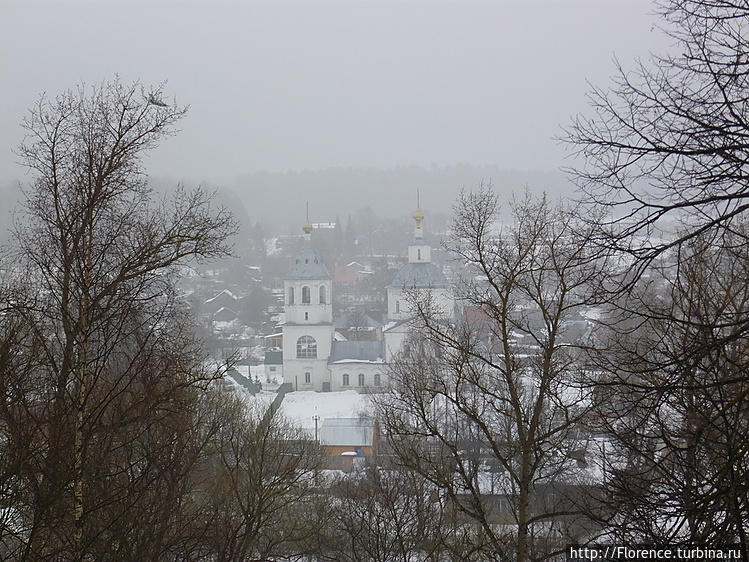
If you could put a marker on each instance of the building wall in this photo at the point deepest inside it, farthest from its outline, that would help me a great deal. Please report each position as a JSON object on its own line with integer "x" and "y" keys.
{"x": 394, "y": 338}
{"x": 308, "y": 312}
{"x": 399, "y": 309}
{"x": 274, "y": 372}
{"x": 353, "y": 370}
{"x": 294, "y": 373}
{"x": 419, "y": 253}
{"x": 294, "y": 368}
{"x": 312, "y": 312}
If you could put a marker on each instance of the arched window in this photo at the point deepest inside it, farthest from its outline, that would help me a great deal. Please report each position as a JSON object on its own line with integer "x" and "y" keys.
{"x": 397, "y": 306}
{"x": 345, "y": 381}
{"x": 306, "y": 348}
{"x": 305, "y": 295}
{"x": 322, "y": 294}
{"x": 418, "y": 254}
{"x": 361, "y": 379}
{"x": 377, "y": 381}
{"x": 291, "y": 295}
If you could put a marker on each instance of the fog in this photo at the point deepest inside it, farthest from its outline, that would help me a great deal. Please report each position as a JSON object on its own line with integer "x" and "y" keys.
{"x": 301, "y": 87}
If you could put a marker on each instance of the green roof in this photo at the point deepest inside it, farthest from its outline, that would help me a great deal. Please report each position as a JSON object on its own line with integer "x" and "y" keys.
{"x": 274, "y": 357}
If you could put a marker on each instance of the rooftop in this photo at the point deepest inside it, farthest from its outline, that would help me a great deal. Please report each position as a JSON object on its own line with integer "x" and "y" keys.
{"x": 369, "y": 351}
{"x": 308, "y": 265}
{"x": 418, "y": 276}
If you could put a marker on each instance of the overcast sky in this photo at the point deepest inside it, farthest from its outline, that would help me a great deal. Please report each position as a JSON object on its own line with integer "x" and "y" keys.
{"x": 295, "y": 85}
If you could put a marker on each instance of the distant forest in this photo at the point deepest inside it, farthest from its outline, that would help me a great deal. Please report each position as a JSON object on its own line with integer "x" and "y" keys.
{"x": 278, "y": 200}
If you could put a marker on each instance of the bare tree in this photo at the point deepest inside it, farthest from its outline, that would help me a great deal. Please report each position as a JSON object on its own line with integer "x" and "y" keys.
{"x": 488, "y": 408}
{"x": 383, "y": 513}
{"x": 20, "y": 438}
{"x": 674, "y": 398}
{"x": 113, "y": 362}
{"x": 670, "y": 141}
{"x": 666, "y": 154}
{"x": 260, "y": 484}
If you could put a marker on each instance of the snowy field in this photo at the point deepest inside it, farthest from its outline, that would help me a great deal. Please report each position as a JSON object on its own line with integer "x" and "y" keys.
{"x": 301, "y": 408}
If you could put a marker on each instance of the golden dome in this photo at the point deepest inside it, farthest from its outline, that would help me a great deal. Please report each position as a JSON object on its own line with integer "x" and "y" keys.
{"x": 418, "y": 215}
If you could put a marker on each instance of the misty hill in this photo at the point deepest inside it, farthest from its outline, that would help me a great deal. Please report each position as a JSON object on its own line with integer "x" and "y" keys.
{"x": 279, "y": 199}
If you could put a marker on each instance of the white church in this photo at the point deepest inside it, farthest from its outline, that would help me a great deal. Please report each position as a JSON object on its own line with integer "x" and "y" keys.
{"x": 318, "y": 357}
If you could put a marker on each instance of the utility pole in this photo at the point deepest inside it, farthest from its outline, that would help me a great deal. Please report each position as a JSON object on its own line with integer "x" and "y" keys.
{"x": 316, "y": 418}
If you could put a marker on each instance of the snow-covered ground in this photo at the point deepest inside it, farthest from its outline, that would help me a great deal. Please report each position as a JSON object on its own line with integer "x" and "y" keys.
{"x": 300, "y": 408}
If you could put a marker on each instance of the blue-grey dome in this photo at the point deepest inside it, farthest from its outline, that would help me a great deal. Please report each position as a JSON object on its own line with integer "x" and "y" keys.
{"x": 308, "y": 265}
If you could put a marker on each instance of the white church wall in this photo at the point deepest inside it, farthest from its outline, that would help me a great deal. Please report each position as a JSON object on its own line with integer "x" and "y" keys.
{"x": 359, "y": 375}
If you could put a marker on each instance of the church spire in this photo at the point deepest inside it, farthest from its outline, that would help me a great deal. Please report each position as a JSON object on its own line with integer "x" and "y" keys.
{"x": 419, "y": 218}
{"x": 307, "y": 227}
{"x": 418, "y": 249}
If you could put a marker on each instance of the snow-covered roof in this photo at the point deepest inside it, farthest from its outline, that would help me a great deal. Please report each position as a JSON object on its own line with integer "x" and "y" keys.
{"x": 395, "y": 323}
{"x": 225, "y": 311}
{"x": 225, "y": 292}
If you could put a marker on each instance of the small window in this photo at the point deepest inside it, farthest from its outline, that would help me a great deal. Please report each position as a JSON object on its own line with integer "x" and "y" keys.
{"x": 418, "y": 254}
{"x": 361, "y": 379}
{"x": 307, "y": 377}
{"x": 322, "y": 294}
{"x": 397, "y": 306}
{"x": 306, "y": 315}
{"x": 291, "y": 295}
{"x": 345, "y": 381}
{"x": 272, "y": 369}
{"x": 377, "y": 381}
{"x": 504, "y": 505}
